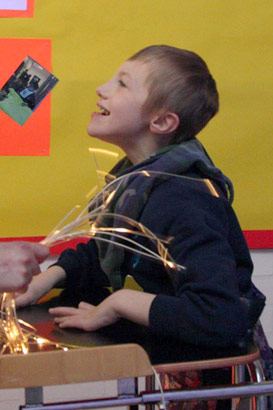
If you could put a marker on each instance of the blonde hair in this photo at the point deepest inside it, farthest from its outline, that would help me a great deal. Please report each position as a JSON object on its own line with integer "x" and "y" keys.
{"x": 180, "y": 81}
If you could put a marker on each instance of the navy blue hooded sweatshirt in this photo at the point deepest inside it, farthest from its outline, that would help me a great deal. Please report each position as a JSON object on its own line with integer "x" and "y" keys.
{"x": 202, "y": 305}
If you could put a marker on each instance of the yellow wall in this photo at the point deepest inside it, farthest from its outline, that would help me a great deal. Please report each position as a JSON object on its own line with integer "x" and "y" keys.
{"x": 90, "y": 40}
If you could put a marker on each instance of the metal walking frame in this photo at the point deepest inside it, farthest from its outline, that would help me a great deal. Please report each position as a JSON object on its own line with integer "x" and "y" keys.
{"x": 257, "y": 389}
{"x": 34, "y": 400}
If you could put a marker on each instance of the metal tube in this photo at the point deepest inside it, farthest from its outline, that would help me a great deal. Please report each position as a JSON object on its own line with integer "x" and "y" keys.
{"x": 261, "y": 401}
{"x": 91, "y": 404}
{"x": 245, "y": 390}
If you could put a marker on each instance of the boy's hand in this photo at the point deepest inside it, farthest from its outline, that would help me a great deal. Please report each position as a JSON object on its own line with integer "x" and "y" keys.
{"x": 39, "y": 286}
{"x": 129, "y": 304}
{"x": 86, "y": 317}
{"x": 33, "y": 293}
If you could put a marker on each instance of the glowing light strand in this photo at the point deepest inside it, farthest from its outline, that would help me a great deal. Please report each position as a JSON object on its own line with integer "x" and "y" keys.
{"x": 14, "y": 338}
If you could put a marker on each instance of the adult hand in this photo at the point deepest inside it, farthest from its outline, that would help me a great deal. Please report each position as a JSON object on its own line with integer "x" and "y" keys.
{"x": 19, "y": 261}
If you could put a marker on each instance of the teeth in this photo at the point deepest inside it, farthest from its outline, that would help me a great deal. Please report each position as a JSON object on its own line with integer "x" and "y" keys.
{"x": 104, "y": 111}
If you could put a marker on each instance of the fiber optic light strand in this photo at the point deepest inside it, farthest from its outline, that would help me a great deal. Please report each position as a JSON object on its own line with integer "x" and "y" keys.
{"x": 15, "y": 336}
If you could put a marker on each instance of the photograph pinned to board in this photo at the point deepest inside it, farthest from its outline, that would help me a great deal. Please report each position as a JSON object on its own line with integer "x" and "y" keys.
{"x": 25, "y": 90}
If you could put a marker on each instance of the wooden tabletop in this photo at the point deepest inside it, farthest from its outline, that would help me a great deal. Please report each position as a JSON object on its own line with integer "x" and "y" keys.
{"x": 73, "y": 366}
{"x": 118, "y": 351}
{"x": 101, "y": 360}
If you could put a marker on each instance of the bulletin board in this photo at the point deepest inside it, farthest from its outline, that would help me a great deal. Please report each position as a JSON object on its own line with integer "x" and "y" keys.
{"x": 88, "y": 41}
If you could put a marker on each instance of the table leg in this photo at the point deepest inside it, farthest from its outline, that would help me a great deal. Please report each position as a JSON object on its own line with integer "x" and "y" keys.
{"x": 150, "y": 386}
{"x": 128, "y": 388}
{"x": 33, "y": 396}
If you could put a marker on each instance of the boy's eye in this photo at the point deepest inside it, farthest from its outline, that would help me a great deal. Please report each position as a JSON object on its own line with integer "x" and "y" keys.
{"x": 121, "y": 83}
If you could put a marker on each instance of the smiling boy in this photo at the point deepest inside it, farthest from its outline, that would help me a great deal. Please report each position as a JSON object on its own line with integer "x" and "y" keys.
{"x": 152, "y": 108}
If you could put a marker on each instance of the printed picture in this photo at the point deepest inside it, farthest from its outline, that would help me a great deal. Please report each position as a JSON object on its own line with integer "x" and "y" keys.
{"x": 25, "y": 90}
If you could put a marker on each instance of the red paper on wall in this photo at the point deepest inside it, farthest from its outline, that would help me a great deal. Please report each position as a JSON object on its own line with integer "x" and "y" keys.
{"x": 19, "y": 13}
{"x": 33, "y": 138}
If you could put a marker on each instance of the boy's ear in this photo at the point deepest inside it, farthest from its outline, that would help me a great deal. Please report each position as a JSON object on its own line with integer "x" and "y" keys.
{"x": 164, "y": 123}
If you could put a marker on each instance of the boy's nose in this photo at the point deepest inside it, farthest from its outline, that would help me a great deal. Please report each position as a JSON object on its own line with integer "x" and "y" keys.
{"x": 101, "y": 91}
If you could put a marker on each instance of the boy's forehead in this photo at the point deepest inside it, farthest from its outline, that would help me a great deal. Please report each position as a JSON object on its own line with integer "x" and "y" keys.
{"x": 135, "y": 70}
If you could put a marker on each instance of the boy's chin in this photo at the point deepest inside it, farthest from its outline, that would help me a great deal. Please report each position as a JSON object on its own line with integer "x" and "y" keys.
{"x": 111, "y": 139}
{"x": 91, "y": 131}
{"x": 98, "y": 136}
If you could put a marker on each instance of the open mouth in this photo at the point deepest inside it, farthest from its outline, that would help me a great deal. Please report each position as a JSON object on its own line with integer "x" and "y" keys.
{"x": 103, "y": 111}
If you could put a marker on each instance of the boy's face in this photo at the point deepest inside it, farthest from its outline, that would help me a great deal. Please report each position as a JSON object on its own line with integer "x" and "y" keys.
{"x": 121, "y": 119}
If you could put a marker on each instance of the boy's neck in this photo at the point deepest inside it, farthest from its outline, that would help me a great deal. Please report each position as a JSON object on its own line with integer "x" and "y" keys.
{"x": 142, "y": 149}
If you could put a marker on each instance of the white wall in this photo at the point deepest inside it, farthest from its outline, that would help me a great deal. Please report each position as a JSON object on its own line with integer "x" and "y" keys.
{"x": 263, "y": 279}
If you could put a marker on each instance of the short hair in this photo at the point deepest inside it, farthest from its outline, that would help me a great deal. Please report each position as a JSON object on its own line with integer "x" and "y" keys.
{"x": 180, "y": 81}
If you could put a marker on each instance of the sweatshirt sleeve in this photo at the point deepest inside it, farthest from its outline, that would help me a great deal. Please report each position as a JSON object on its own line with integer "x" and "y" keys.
{"x": 82, "y": 268}
{"x": 206, "y": 307}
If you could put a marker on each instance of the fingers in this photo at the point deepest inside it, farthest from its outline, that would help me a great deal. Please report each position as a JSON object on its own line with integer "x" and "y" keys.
{"x": 41, "y": 252}
{"x": 72, "y": 321}
{"x": 32, "y": 268}
{"x": 63, "y": 311}
{"x": 87, "y": 306}
{"x": 71, "y": 317}
{"x": 23, "y": 262}
{"x": 19, "y": 261}
{"x": 31, "y": 255}
{"x": 22, "y": 300}
{"x": 74, "y": 317}
{"x": 66, "y": 311}
{"x": 19, "y": 301}
{"x": 22, "y": 290}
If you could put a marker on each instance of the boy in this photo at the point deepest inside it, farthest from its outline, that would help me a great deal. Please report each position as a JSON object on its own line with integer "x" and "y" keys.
{"x": 152, "y": 109}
